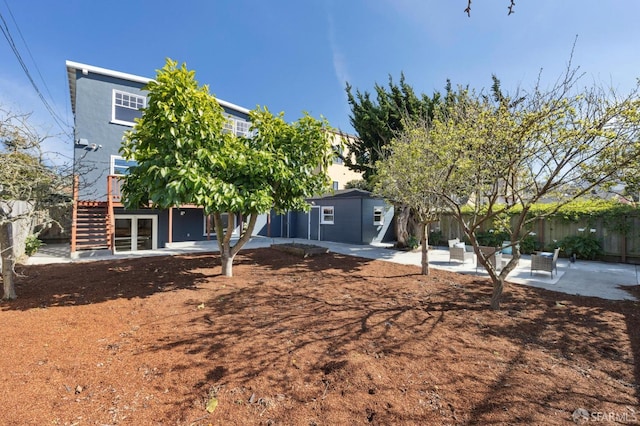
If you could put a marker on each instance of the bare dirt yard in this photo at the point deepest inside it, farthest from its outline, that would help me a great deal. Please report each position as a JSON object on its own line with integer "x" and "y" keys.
{"x": 326, "y": 340}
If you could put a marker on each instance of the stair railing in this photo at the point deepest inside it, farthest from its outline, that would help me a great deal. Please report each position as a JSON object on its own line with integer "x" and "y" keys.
{"x": 74, "y": 214}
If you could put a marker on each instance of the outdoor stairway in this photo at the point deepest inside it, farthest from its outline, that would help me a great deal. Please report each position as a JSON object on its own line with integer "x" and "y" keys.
{"x": 91, "y": 226}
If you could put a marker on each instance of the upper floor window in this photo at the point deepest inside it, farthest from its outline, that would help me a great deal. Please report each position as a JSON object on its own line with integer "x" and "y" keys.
{"x": 120, "y": 166}
{"x": 228, "y": 126}
{"x": 336, "y": 185}
{"x": 242, "y": 128}
{"x": 236, "y": 126}
{"x": 337, "y": 158}
{"x": 127, "y": 107}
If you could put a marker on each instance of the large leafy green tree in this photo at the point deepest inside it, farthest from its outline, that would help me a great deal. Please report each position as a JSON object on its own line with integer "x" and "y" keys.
{"x": 376, "y": 122}
{"x": 502, "y": 154}
{"x": 185, "y": 157}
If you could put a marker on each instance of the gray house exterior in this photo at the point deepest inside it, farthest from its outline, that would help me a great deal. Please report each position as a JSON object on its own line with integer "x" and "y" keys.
{"x": 349, "y": 216}
{"x": 104, "y": 103}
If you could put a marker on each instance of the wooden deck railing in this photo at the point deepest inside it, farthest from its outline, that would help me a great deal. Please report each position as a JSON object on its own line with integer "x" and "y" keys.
{"x": 114, "y": 184}
{"x": 114, "y": 196}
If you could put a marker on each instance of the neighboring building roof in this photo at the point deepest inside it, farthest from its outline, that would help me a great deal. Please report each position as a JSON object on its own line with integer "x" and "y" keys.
{"x": 346, "y": 193}
{"x": 73, "y": 67}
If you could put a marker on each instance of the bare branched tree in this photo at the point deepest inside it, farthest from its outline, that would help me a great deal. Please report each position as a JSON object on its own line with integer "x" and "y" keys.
{"x": 502, "y": 154}
{"x": 27, "y": 186}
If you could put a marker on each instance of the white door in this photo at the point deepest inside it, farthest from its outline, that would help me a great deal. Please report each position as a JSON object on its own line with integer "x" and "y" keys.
{"x": 135, "y": 232}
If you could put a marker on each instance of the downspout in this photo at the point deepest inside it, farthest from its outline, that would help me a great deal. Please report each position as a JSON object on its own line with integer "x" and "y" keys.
{"x": 170, "y": 225}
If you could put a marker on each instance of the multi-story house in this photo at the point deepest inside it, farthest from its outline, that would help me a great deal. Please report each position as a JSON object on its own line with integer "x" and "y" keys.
{"x": 339, "y": 173}
{"x": 105, "y": 104}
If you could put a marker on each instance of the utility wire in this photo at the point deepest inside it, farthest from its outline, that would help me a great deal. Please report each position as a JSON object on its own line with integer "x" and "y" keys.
{"x": 7, "y": 34}
{"x": 28, "y": 50}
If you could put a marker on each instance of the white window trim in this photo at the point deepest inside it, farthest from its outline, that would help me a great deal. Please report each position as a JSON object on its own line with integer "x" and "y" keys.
{"x": 212, "y": 231}
{"x": 245, "y": 124}
{"x": 233, "y": 125}
{"x": 378, "y": 210}
{"x": 324, "y": 217}
{"x": 112, "y": 165}
{"x": 113, "y": 107}
{"x": 229, "y": 125}
{"x": 338, "y": 150}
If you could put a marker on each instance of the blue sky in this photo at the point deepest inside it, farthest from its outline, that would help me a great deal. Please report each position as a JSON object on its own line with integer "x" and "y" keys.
{"x": 296, "y": 56}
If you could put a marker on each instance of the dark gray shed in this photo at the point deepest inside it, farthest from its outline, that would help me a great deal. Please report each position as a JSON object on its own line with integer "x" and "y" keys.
{"x": 349, "y": 216}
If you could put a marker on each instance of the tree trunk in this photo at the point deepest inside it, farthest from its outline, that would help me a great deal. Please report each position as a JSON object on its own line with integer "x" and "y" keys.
{"x": 402, "y": 221}
{"x": 498, "y": 286}
{"x": 227, "y": 252}
{"x": 425, "y": 250}
{"x": 415, "y": 226}
{"x": 8, "y": 261}
{"x": 227, "y": 263}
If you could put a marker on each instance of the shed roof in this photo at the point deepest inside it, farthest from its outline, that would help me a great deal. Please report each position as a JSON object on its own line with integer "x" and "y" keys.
{"x": 346, "y": 193}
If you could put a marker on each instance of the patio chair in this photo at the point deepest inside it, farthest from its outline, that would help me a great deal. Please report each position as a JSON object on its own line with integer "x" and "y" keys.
{"x": 493, "y": 255}
{"x": 459, "y": 252}
{"x": 545, "y": 262}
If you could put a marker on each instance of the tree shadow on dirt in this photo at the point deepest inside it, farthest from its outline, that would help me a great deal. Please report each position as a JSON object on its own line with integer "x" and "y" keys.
{"x": 330, "y": 325}
{"x": 308, "y": 325}
{"x": 72, "y": 284}
{"x": 579, "y": 334}
{"x": 277, "y": 260}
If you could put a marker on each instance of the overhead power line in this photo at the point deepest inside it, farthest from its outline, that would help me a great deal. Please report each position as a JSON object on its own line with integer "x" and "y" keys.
{"x": 4, "y": 27}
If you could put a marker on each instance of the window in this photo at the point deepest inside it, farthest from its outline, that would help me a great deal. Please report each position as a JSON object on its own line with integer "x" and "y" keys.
{"x": 236, "y": 126}
{"x": 336, "y": 185}
{"x": 378, "y": 215}
{"x": 228, "y": 125}
{"x": 120, "y": 166}
{"x": 327, "y": 216}
{"x": 212, "y": 227}
{"x": 127, "y": 107}
{"x": 338, "y": 150}
{"x": 242, "y": 128}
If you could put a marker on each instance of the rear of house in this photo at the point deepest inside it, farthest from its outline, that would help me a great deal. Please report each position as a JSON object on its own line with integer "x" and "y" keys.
{"x": 105, "y": 104}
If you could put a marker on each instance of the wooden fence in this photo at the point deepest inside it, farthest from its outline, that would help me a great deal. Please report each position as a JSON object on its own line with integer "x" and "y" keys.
{"x": 617, "y": 246}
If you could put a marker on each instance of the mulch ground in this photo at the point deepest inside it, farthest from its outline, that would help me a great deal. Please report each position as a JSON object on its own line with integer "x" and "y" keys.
{"x": 326, "y": 340}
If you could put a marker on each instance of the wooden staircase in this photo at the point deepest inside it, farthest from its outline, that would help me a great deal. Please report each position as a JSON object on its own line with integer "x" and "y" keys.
{"x": 92, "y": 222}
{"x": 92, "y": 226}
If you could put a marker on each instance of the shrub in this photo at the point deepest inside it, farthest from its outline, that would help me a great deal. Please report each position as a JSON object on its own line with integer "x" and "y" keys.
{"x": 436, "y": 238}
{"x": 492, "y": 239}
{"x": 528, "y": 245}
{"x": 584, "y": 247}
{"x": 413, "y": 242}
{"x": 32, "y": 244}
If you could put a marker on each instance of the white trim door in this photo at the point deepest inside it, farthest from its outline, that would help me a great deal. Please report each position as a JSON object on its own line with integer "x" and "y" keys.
{"x": 313, "y": 226}
{"x": 135, "y": 232}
